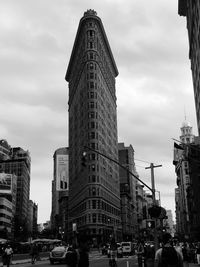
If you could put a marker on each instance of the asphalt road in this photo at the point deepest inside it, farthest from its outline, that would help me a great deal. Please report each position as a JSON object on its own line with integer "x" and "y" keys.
{"x": 96, "y": 260}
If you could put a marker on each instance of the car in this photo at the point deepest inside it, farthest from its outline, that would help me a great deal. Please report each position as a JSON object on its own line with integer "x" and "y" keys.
{"x": 58, "y": 254}
{"x": 127, "y": 248}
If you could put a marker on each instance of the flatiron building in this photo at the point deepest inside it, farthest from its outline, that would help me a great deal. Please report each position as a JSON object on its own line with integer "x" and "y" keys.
{"x": 94, "y": 195}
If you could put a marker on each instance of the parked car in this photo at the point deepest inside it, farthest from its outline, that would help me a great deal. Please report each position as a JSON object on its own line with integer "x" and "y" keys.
{"x": 58, "y": 254}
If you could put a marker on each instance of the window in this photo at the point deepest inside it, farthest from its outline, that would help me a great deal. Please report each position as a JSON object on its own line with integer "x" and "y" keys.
{"x": 94, "y": 191}
{"x": 94, "y": 204}
{"x": 91, "y": 104}
{"x": 91, "y": 75}
{"x": 91, "y": 85}
{"x": 93, "y": 178}
{"x": 91, "y": 94}
{"x": 91, "y": 56}
{"x": 94, "y": 218}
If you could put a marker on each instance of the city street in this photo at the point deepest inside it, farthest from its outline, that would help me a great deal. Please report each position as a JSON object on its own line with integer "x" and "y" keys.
{"x": 96, "y": 260}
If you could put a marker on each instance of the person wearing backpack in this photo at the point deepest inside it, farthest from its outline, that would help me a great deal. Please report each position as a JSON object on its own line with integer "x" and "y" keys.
{"x": 168, "y": 256}
{"x": 83, "y": 251}
{"x": 71, "y": 258}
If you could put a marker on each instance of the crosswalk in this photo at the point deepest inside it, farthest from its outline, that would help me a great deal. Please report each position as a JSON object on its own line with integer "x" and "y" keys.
{"x": 95, "y": 255}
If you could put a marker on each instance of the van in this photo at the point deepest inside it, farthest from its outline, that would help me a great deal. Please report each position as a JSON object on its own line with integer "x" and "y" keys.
{"x": 127, "y": 248}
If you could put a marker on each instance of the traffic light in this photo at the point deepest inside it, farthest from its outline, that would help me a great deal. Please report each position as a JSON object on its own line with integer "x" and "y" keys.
{"x": 150, "y": 224}
{"x": 84, "y": 159}
{"x": 154, "y": 211}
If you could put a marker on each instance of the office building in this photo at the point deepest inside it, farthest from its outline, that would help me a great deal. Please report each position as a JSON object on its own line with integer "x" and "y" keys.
{"x": 94, "y": 194}
{"x": 8, "y": 193}
{"x": 5, "y": 149}
{"x": 128, "y": 184}
{"x": 18, "y": 164}
{"x": 60, "y": 189}
{"x": 187, "y": 165}
{"x": 191, "y": 10}
{"x": 32, "y": 219}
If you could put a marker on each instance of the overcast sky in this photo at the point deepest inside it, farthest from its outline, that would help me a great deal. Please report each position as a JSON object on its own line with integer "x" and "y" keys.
{"x": 150, "y": 45}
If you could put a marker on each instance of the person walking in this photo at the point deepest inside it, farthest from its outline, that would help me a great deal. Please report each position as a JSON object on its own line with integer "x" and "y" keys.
{"x": 185, "y": 252}
{"x": 8, "y": 255}
{"x": 198, "y": 252}
{"x": 113, "y": 253}
{"x": 167, "y": 255}
{"x": 34, "y": 253}
{"x": 71, "y": 257}
{"x": 140, "y": 253}
{"x": 83, "y": 252}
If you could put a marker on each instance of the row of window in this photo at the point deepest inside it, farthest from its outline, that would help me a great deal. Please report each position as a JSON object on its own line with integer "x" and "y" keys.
{"x": 3, "y": 215}
{"x": 97, "y": 204}
{"x": 3, "y": 207}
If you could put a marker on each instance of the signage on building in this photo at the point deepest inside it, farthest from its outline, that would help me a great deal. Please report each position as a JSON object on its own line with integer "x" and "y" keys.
{"x": 5, "y": 183}
{"x": 62, "y": 173}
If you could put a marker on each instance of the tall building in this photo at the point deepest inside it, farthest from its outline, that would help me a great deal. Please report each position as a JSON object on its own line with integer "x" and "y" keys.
{"x": 191, "y": 10}
{"x": 18, "y": 164}
{"x": 32, "y": 219}
{"x": 5, "y": 149}
{"x": 60, "y": 189}
{"x": 187, "y": 165}
{"x": 8, "y": 193}
{"x": 94, "y": 194}
{"x": 128, "y": 192}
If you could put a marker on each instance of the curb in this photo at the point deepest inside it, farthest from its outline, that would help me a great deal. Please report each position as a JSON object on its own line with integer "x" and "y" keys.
{"x": 27, "y": 261}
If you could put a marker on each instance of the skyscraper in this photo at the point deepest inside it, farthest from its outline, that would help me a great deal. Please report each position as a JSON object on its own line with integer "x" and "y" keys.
{"x": 60, "y": 187}
{"x": 94, "y": 197}
{"x": 19, "y": 164}
{"x": 128, "y": 192}
{"x": 191, "y": 10}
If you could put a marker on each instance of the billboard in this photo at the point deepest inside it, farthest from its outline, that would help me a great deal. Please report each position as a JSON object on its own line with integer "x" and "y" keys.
{"x": 5, "y": 183}
{"x": 62, "y": 172}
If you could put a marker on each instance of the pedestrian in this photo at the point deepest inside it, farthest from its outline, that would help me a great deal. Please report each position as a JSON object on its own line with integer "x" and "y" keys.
{"x": 149, "y": 255}
{"x": 83, "y": 251}
{"x": 140, "y": 252}
{"x": 8, "y": 255}
{"x": 185, "y": 252}
{"x": 113, "y": 253}
{"x": 167, "y": 255}
{"x": 198, "y": 252}
{"x": 71, "y": 257}
{"x": 34, "y": 253}
{"x": 3, "y": 256}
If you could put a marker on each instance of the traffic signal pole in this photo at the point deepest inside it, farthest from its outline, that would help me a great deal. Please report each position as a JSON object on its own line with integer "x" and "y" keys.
{"x": 152, "y": 166}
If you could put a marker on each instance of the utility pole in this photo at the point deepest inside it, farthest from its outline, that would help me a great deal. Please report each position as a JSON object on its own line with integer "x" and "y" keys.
{"x": 152, "y": 166}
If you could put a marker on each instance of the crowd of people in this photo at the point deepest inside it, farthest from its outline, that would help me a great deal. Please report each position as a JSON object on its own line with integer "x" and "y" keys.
{"x": 171, "y": 252}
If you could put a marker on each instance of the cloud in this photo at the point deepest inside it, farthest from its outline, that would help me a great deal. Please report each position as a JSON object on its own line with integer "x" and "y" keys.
{"x": 150, "y": 46}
